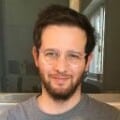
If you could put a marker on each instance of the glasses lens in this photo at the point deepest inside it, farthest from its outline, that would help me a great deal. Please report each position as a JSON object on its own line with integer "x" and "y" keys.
{"x": 72, "y": 58}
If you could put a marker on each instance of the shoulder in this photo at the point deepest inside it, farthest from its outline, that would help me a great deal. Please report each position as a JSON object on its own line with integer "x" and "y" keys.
{"x": 102, "y": 110}
{"x": 19, "y": 112}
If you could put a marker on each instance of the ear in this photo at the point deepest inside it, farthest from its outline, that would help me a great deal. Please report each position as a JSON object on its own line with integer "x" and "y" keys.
{"x": 88, "y": 61}
{"x": 35, "y": 55}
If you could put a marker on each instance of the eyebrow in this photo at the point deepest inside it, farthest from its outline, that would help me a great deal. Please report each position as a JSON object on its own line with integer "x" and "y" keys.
{"x": 69, "y": 51}
{"x": 75, "y": 52}
{"x": 50, "y": 49}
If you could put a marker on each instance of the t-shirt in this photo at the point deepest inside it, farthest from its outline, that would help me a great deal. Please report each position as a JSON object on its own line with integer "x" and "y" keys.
{"x": 87, "y": 109}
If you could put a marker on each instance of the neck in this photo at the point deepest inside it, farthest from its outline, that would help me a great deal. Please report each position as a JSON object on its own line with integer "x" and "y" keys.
{"x": 58, "y": 106}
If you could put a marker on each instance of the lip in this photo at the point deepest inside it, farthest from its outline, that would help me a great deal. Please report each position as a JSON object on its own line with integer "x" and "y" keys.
{"x": 60, "y": 76}
{"x": 58, "y": 79}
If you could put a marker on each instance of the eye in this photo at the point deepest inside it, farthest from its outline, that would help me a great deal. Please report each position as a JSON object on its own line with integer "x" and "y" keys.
{"x": 50, "y": 54}
{"x": 74, "y": 56}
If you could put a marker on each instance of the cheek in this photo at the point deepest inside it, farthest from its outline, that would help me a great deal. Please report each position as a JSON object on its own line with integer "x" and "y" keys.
{"x": 78, "y": 71}
{"x": 43, "y": 67}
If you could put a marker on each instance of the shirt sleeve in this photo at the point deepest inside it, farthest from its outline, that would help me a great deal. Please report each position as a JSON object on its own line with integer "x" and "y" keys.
{"x": 118, "y": 117}
{"x": 4, "y": 116}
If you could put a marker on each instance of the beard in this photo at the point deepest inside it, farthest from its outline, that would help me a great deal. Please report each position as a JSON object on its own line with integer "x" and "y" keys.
{"x": 61, "y": 94}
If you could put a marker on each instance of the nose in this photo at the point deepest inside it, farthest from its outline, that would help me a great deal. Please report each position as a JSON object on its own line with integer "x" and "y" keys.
{"x": 61, "y": 65}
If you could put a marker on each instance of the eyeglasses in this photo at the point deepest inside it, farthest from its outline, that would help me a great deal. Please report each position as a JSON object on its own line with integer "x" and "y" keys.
{"x": 71, "y": 57}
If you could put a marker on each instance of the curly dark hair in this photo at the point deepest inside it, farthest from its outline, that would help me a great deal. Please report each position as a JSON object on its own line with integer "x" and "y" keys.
{"x": 62, "y": 15}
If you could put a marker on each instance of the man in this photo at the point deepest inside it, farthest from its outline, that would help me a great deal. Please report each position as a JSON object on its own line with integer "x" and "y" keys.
{"x": 62, "y": 51}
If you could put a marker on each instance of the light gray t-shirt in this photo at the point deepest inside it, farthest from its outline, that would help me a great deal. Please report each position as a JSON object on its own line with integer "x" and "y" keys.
{"x": 87, "y": 109}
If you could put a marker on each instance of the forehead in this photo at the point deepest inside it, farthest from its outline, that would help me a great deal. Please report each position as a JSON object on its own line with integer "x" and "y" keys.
{"x": 63, "y": 37}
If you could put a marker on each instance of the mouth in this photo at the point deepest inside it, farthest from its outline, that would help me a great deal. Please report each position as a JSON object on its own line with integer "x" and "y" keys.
{"x": 56, "y": 76}
{"x": 60, "y": 79}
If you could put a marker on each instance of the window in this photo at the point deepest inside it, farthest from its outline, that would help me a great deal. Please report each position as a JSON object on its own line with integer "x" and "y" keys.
{"x": 98, "y": 21}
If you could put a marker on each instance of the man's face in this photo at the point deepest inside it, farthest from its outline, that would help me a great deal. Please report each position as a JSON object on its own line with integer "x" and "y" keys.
{"x": 59, "y": 61}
